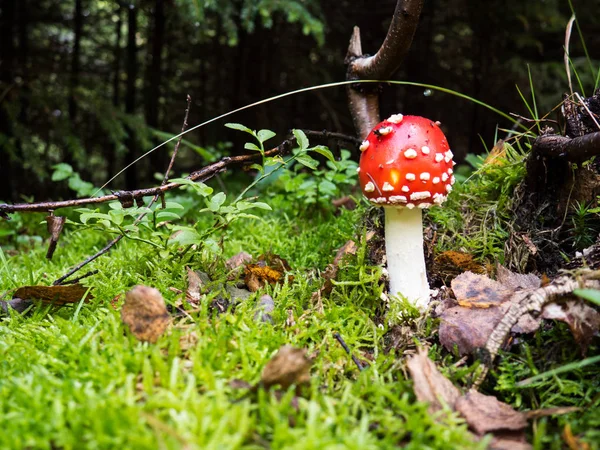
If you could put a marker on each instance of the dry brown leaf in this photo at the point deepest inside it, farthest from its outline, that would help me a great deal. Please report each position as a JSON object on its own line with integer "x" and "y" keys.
{"x": 289, "y": 366}
{"x": 516, "y": 281}
{"x": 482, "y": 413}
{"x": 497, "y": 155}
{"x": 506, "y": 441}
{"x": 145, "y": 313}
{"x": 582, "y": 319}
{"x": 485, "y": 413}
{"x": 257, "y": 277}
{"x": 429, "y": 384}
{"x": 468, "y": 329}
{"x": 56, "y": 295}
{"x": 192, "y": 293}
{"x": 478, "y": 291}
{"x": 451, "y": 262}
{"x": 238, "y": 260}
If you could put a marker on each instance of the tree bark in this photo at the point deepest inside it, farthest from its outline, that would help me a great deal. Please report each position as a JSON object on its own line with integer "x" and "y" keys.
{"x": 7, "y": 62}
{"x": 363, "y": 100}
{"x": 116, "y": 86}
{"x": 154, "y": 78}
{"x": 75, "y": 59}
{"x": 131, "y": 178}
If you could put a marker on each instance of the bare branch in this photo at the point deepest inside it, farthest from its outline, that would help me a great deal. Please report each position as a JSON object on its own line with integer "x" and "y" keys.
{"x": 395, "y": 46}
{"x": 364, "y": 102}
{"x": 203, "y": 174}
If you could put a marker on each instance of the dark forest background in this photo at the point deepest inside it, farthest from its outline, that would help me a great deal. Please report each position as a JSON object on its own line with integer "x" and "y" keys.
{"x": 96, "y": 83}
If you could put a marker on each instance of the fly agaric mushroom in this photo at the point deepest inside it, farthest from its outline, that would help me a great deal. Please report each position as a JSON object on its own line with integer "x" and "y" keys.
{"x": 406, "y": 166}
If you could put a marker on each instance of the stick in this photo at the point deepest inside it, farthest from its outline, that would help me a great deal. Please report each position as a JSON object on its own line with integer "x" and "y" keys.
{"x": 531, "y": 301}
{"x": 345, "y": 347}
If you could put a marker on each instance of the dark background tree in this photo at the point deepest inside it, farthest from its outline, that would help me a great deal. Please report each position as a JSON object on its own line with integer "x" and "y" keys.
{"x": 88, "y": 82}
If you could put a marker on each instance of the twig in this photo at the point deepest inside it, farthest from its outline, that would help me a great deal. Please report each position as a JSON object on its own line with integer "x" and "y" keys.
{"x": 127, "y": 197}
{"x": 176, "y": 149}
{"x": 530, "y": 301}
{"x": 139, "y": 218}
{"x": 345, "y": 347}
{"x": 332, "y": 135}
{"x": 78, "y": 279}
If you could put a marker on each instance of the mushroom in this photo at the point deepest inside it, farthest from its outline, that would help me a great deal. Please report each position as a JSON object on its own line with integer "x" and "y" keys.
{"x": 406, "y": 166}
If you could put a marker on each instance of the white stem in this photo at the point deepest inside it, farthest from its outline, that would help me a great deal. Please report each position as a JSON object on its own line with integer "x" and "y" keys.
{"x": 405, "y": 258}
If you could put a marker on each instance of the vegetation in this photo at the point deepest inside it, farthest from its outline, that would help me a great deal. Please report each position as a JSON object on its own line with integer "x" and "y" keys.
{"x": 86, "y": 87}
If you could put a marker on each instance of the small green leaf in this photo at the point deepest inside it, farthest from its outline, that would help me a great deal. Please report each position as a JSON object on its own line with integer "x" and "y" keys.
{"x": 216, "y": 201}
{"x": 264, "y": 135}
{"x": 301, "y": 139}
{"x": 185, "y": 236}
{"x": 198, "y": 186}
{"x": 307, "y": 161}
{"x": 252, "y": 146}
{"x": 167, "y": 215}
{"x": 62, "y": 171}
{"x": 322, "y": 150}
{"x": 173, "y": 205}
{"x": 116, "y": 216}
{"x": 239, "y": 127}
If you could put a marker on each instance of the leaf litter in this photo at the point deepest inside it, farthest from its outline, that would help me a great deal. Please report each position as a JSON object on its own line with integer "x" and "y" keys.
{"x": 481, "y": 303}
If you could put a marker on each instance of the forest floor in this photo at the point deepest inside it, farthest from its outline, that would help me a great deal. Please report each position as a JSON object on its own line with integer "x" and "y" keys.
{"x": 76, "y": 377}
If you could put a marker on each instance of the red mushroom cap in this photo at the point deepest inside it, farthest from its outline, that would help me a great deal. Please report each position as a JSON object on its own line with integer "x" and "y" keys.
{"x": 406, "y": 161}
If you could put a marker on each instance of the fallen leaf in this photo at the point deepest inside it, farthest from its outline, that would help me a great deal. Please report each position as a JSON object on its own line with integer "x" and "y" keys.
{"x": 56, "y": 295}
{"x": 192, "y": 293}
{"x": 289, "y": 366}
{"x": 429, "y": 384}
{"x": 18, "y": 304}
{"x": 257, "y": 277}
{"x": 516, "y": 281}
{"x": 269, "y": 269}
{"x": 468, "y": 329}
{"x": 582, "y": 319}
{"x": 482, "y": 302}
{"x": 238, "y": 260}
{"x": 485, "y": 413}
{"x": 264, "y": 309}
{"x": 497, "y": 155}
{"x": 451, "y": 263}
{"x": 478, "y": 291}
{"x": 508, "y": 442}
{"x": 145, "y": 313}
{"x": 55, "y": 226}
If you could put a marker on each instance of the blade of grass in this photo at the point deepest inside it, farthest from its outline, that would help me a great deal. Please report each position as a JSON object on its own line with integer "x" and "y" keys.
{"x": 563, "y": 369}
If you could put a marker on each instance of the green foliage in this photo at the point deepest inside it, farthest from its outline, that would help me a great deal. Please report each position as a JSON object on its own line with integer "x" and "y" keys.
{"x": 477, "y": 214}
{"x": 64, "y": 171}
{"x": 238, "y": 16}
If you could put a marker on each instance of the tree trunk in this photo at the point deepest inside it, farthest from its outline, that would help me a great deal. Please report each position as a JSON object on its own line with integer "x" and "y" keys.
{"x": 131, "y": 179}
{"x": 75, "y": 60}
{"x": 7, "y": 61}
{"x": 153, "y": 79}
{"x": 116, "y": 84}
